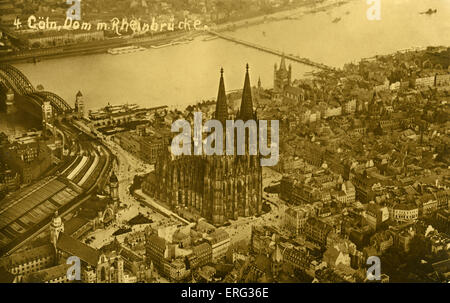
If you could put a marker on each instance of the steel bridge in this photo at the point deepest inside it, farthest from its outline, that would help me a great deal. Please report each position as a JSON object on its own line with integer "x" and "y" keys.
{"x": 299, "y": 59}
{"x": 8, "y": 32}
{"x": 19, "y": 83}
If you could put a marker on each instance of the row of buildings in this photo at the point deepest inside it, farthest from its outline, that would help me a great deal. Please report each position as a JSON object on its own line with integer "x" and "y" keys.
{"x": 30, "y": 155}
{"x": 364, "y": 165}
{"x": 185, "y": 253}
{"x": 145, "y": 143}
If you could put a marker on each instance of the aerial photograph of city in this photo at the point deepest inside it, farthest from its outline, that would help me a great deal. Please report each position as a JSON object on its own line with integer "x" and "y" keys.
{"x": 224, "y": 141}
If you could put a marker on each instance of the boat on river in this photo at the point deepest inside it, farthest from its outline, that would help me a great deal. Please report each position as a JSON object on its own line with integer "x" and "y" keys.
{"x": 161, "y": 45}
{"x": 336, "y": 20}
{"x": 429, "y": 12}
{"x": 210, "y": 38}
{"x": 125, "y": 50}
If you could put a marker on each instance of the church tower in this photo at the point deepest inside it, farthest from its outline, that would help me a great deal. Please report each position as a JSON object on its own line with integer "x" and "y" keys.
{"x": 114, "y": 187}
{"x": 259, "y": 92}
{"x": 79, "y": 104}
{"x": 282, "y": 77}
{"x": 56, "y": 228}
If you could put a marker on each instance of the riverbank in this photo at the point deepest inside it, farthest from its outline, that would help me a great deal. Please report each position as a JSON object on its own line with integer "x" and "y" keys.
{"x": 91, "y": 48}
{"x": 34, "y": 56}
{"x": 289, "y": 14}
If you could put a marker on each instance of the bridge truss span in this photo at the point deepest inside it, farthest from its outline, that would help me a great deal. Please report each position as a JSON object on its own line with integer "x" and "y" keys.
{"x": 58, "y": 103}
{"x": 22, "y": 84}
{"x": 17, "y": 81}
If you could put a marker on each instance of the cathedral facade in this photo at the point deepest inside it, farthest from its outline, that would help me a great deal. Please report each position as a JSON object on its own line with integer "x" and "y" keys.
{"x": 218, "y": 187}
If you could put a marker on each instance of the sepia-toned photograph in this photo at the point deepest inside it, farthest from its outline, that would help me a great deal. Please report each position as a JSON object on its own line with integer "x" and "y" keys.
{"x": 224, "y": 141}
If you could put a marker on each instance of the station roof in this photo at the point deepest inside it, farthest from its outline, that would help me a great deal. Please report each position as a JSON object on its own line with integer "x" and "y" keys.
{"x": 76, "y": 248}
{"x": 74, "y": 224}
{"x": 28, "y": 206}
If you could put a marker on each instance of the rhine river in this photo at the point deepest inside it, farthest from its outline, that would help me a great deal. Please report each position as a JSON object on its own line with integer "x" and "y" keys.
{"x": 184, "y": 74}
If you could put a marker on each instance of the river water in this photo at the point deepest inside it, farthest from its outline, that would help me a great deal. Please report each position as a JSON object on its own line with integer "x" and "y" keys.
{"x": 183, "y": 74}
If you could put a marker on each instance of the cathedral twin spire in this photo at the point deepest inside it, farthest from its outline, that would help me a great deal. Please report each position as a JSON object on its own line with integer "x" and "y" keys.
{"x": 246, "y": 110}
{"x": 221, "y": 105}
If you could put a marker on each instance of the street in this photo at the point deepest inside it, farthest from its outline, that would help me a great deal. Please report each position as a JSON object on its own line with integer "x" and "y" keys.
{"x": 128, "y": 166}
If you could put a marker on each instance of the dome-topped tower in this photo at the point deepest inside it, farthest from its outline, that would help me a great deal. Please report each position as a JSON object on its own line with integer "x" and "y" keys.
{"x": 56, "y": 228}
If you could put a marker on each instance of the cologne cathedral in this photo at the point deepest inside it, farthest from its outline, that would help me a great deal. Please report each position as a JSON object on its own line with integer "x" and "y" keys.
{"x": 216, "y": 187}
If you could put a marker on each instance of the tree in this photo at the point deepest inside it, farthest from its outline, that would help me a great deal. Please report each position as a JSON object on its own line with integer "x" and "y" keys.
{"x": 419, "y": 247}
